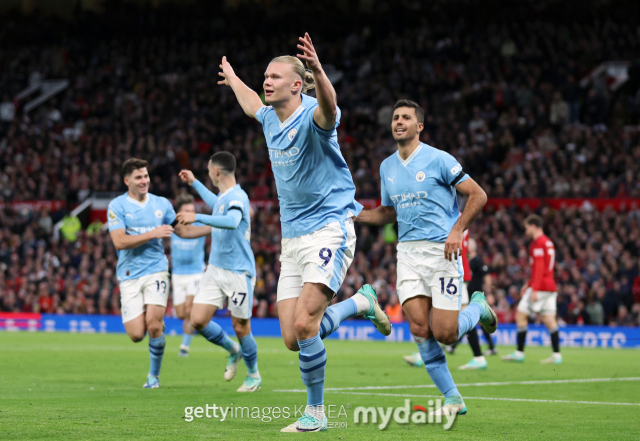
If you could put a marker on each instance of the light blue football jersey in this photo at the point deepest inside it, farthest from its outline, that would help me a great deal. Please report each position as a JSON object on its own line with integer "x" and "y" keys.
{"x": 187, "y": 255}
{"x": 230, "y": 249}
{"x": 422, "y": 190}
{"x": 138, "y": 218}
{"x": 314, "y": 184}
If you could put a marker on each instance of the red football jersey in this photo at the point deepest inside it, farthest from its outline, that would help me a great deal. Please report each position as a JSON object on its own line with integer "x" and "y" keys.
{"x": 465, "y": 258}
{"x": 543, "y": 258}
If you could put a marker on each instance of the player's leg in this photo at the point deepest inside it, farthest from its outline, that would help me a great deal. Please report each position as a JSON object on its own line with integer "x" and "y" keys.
{"x": 155, "y": 291}
{"x": 210, "y": 297}
{"x": 132, "y": 309}
{"x": 310, "y": 308}
{"x": 449, "y": 325}
{"x": 478, "y": 361}
{"x": 240, "y": 306}
{"x": 418, "y": 309}
{"x": 179, "y": 295}
{"x": 136, "y": 328}
{"x": 522, "y": 318}
{"x": 492, "y": 348}
{"x": 464, "y": 301}
{"x": 155, "y": 323}
{"x": 549, "y": 319}
{"x": 187, "y": 329}
{"x": 289, "y": 289}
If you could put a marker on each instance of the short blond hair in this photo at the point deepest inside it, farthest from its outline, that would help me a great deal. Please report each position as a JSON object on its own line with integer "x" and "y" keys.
{"x": 307, "y": 78}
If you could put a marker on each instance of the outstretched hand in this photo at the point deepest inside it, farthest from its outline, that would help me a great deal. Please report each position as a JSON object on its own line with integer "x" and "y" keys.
{"x": 186, "y": 218}
{"x": 309, "y": 53}
{"x": 227, "y": 72}
{"x": 187, "y": 176}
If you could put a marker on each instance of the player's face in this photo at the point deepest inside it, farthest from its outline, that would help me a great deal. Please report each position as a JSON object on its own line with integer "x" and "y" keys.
{"x": 281, "y": 83}
{"x": 188, "y": 208}
{"x": 529, "y": 230}
{"x": 405, "y": 125}
{"x": 138, "y": 181}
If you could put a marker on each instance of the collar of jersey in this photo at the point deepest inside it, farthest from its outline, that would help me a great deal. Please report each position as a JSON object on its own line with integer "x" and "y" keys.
{"x": 227, "y": 191}
{"x": 138, "y": 203}
{"x": 411, "y": 156}
{"x": 293, "y": 115}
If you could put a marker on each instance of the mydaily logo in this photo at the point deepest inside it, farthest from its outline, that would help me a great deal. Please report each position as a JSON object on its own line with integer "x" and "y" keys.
{"x": 382, "y": 416}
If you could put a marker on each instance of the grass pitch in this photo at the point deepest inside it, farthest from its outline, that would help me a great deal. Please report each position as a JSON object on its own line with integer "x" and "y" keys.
{"x": 80, "y": 387}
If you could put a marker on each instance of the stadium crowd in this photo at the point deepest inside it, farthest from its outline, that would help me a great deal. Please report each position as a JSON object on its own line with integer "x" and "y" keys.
{"x": 502, "y": 97}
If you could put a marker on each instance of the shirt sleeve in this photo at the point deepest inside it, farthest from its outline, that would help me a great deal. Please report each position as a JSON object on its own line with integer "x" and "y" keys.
{"x": 384, "y": 194}
{"x": 329, "y": 132}
{"x": 169, "y": 214}
{"x": 451, "y": 171}
{"x": 229, "y": 221}
{"x": 238, "y": 205}
{"x": 207, "y": 195}
{"x": 115, "y": 217}
{"x": 260, "y": 114}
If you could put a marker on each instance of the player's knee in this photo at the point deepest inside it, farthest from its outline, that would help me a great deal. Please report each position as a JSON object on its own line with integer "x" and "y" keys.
{"x": 136, "y": 337}
{"x": 154, "y": 328}
{"x": 420, "y": 330}
{"x": 198, "y": 322}
{"x": 241, "y": 329}
{"x": 305, "y": 328}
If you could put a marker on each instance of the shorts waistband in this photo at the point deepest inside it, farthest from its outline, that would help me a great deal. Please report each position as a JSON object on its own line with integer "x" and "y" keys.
{"x": 419, "y": 243}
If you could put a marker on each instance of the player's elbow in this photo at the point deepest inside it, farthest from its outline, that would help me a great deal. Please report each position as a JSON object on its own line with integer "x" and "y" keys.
{"x": 481, "y": 196}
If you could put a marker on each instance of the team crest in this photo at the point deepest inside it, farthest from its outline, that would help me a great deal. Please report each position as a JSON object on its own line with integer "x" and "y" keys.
{"x": 291, "y": 134}
{"x": 158, "y": 214}
{"x": 420, "y": 176}
{"x": 221, "y": 209}
{"x": 112, "y": 215}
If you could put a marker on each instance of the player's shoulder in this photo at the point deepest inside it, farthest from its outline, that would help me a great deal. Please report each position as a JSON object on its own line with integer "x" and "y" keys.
{"x": 160, "y": 200}
{"x": 308, "y": 103}
{"x": 238, "y": 197}
{"x": 434, "y": 153}
{"x": 545, "y": 241}
{"x": 266, "y": 111}
{"x": 390, "y": 161}
{"x": 118, "y": 201}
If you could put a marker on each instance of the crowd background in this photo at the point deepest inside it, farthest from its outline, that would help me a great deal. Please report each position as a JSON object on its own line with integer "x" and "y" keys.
{"x": 500, "y": 85}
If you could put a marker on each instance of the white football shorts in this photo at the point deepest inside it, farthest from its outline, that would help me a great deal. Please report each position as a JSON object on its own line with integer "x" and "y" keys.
{"x": 184, "y": 285}
{"x": 219, "y": 284}
{"x": 423, "y": 271}
{"x": 546, "y": 303}
{"x": 135, "y": 294}
{"x": 323, "y": 256}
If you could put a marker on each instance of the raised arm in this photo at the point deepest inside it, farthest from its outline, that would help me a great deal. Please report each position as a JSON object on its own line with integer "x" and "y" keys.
{"x": 477, "y": 199}
{"x": 229, "y": 221}
{"x": 207, "y": 195}
{"x": 327, "y": 111}
{"x": 248, "y": 99}
{"x": 379, "y": 216}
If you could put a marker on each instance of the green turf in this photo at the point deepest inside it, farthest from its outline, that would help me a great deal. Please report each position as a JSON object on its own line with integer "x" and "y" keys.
{"x": 73, "y": 386}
